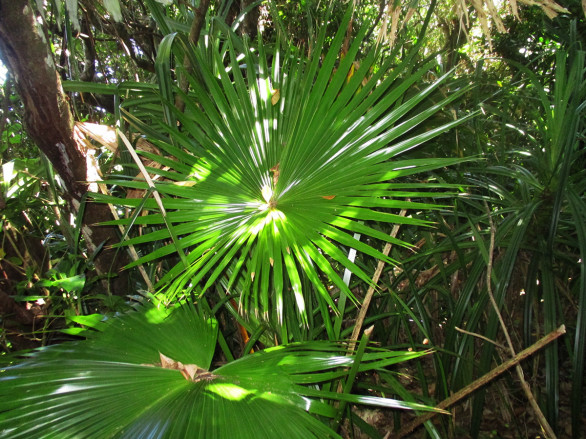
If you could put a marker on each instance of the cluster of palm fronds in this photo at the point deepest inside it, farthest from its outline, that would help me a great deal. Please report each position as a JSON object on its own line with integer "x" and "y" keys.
{"x": 285, "y": 202}
{"x": 258, "y": 190}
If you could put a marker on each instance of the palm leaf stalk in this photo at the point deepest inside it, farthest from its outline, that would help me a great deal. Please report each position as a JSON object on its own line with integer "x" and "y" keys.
{"x": 148, "y": 374}
{"x": 277, "y": 163}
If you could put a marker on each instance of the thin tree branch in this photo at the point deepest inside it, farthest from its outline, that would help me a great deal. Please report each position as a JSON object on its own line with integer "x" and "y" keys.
{"x": 474, "y": 334}
{"x": 381, "y": 11}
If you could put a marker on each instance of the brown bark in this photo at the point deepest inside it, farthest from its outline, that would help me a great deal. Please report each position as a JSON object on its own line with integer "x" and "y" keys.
{"x": 10, "y": 310}
{"x": 250, "y": 22}
{"x": 249, "y": 25}
{"x": 25, "y": 52}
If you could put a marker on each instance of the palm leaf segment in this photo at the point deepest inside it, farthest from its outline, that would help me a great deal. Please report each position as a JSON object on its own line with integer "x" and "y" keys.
{"x": 277, "y": 167}
{"x": 146, "y": 374}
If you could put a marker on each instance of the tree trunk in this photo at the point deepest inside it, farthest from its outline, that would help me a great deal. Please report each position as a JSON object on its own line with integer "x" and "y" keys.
{"x": 25, "y": 52}
{"x": 250, "y": 23}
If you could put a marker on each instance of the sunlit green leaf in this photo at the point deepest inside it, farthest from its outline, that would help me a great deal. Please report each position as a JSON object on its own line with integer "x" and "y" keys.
{"x": 293, "y": 177}
{"x": 150, "y": 374}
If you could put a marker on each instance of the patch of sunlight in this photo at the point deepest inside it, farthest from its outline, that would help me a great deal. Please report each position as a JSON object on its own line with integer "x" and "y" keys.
{"x": 267, "y": 193}
{"x": 69, "y": 388}
{"x": 229, "y": 391}
{"x": 339, "y": 360}
{"x": 275, "y": 348}
{"x": 254, "y": 104}
{"x": 3, "y": 73}
{"x": 8, "y": 173}
{"x": 253, "y": 154}
{"x": 259, "y": 133}
{"x": 513, "y": 127}
{"x": 404, "y": 167}
{"x": 200, "y": 170}
{"x": 290, "y": 186}
{"x": 299, "y": 300}
{"x": 265, "y": 88}
{"x": 276, "y": 231}
{"x": 231, "y": 177}
{"x": 266, "y": 126}
{"x": 272, "y": 216}
{"x": 155, "y": 316}
{"x": 276, "y": 215}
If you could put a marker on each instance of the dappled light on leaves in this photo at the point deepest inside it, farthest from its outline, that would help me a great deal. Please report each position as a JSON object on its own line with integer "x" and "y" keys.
{"x": 120, "y": 381}
{"x": 229, "y": 391}
{"x": 296, "y": 151}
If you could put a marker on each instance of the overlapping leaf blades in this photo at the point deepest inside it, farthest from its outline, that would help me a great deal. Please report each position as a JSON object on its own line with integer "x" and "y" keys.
{"x": 136, "y": 377}
{"x": 278, "y": 162}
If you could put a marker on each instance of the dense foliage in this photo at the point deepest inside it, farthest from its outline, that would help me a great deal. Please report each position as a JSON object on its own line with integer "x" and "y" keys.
{"x": 282, "y": 176}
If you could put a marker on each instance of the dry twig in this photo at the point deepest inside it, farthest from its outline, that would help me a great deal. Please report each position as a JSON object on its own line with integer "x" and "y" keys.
{"x": 534, "y": 405}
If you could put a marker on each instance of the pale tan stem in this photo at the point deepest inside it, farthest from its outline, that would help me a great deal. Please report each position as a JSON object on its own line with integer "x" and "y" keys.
{"x": 474, "y": 334}
{"x": 372, "y": 287}
{"x": 549, "y": 433}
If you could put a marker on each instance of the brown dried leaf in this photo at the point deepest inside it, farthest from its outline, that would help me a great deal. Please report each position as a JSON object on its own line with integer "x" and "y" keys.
{"x": 186, "y": 183}
{"x": 495, "y": 16}
{"x": 191, "y": 372}
{"x": 168, "y": 363}
{"x": 103, "y": 134}
{"x": 275, "y": 171}
{"x": 275, "y": 96}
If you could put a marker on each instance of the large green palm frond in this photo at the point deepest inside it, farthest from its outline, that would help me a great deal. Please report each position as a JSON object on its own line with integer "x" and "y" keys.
{"x": 148, "y": 374}
{"x": 278, "y": 161}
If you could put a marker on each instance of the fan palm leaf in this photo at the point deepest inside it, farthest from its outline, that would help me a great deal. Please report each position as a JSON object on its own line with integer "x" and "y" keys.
{"x": 147, "y": 374}
{"x": 277, "y": 162}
